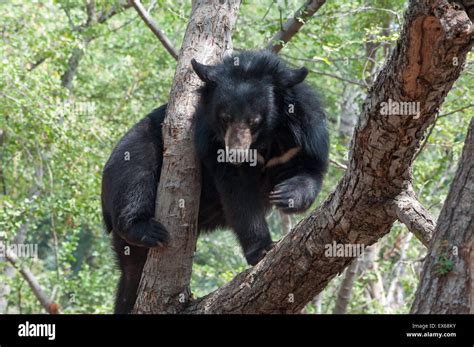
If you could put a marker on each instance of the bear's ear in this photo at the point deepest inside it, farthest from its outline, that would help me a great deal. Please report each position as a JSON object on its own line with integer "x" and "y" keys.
{"x": 293, "y": 76}
{"x": 204, "y": 72}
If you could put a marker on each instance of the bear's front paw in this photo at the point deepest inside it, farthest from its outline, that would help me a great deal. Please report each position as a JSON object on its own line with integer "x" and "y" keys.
{"x": 295, "y": 194}
{"x": 155, "y": 235}
{"x": 149, "y": 234}
{"x": 254, "y": 256}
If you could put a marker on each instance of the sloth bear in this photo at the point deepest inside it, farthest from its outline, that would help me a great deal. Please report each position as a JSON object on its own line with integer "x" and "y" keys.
{"x": 260, "y": 134}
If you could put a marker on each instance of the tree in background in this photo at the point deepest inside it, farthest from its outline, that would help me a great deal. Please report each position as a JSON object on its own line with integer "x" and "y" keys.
{"x": 446, "y": 281}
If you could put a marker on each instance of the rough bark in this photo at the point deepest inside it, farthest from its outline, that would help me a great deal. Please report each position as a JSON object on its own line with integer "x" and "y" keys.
{"x": 294, "y": 24}
{"x": 164, "y": 287}
{"x": 445, "y": 285}
{"x": 421, "y": 69}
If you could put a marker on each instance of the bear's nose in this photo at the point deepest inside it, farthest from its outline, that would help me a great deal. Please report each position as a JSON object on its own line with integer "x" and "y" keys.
{"x": 238, "y": 139}
{"x": 238, "y": 136}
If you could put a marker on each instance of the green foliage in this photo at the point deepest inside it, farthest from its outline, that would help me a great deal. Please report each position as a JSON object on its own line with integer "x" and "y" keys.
{"x": 56, "y": 141}
{"x": 444, "y": 265}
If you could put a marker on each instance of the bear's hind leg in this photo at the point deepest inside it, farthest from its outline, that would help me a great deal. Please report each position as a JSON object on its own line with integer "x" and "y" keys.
{"x": 131, "y": 261}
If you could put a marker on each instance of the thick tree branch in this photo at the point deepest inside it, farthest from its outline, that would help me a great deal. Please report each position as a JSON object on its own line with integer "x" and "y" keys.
{"x": 414, "y": 215}
{"x": 360, "y": 211}
{"x": 294, "y": 24}
{"x": 154, "y": 28}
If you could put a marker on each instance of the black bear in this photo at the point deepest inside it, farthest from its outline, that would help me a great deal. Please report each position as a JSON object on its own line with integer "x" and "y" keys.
{"x": 261, "y": 137}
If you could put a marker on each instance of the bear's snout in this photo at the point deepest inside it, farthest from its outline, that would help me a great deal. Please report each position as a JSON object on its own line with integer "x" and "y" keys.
{"x": 238, "y": 139}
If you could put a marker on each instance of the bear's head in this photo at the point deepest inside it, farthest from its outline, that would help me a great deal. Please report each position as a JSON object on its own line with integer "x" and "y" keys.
{"x": 243, "y": 96}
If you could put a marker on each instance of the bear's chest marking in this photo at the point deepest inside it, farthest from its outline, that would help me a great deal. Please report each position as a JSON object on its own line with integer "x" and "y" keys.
{"x": 278, "y": 160}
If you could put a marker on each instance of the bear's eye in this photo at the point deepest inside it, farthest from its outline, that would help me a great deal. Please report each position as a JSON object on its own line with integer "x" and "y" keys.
{"x": 255, "y": 120}
{"x": 225, "y": 117}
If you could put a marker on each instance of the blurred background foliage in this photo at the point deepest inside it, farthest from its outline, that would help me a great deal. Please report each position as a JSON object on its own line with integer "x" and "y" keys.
{"x": 57, "y": 134}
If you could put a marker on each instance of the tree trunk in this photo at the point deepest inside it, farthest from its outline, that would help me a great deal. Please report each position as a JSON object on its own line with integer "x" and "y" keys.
{"x": 445, "y": 285}
{"x": 345, "y": 290}
{"x": 428, "y": 58}
{"x": 350, "y": 110}
{"x": 370, "y": 262}
{"x": 72, "y": 66}
{"x": 164, "y": 287}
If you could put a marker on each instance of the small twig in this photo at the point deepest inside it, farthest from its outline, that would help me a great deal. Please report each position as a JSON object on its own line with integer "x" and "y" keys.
{"x": 430, "y": 131}
{"x": 324, "y": 61}
{"x": 104, "y": 16}
{"x": 338, "y": 165}
{"x": 34, "y": 65}
{"x": 268, "y": 10}
{"x": 458, "y": 110}
{"x": 294, "y": 24}
{"x": 338, "y": 14}
{"x": 142, "y": 12}
{"x": 339, "y": 78}
{"x": 425, "y": 141}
